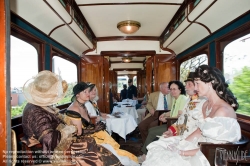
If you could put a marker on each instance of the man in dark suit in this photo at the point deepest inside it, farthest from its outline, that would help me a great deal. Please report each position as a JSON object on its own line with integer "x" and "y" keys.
{"x": 132, "y": 90}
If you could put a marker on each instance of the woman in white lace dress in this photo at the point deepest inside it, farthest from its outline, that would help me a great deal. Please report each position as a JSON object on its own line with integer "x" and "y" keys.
{"x": 219, "y": 126}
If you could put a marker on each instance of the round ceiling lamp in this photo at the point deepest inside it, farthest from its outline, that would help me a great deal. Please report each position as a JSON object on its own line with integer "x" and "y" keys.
{"x": 127, "y": 59}
{"x": 128, "y": 26}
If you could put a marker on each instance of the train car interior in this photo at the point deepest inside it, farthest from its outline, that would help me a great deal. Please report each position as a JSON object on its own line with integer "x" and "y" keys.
{"x": 109, "y": 42}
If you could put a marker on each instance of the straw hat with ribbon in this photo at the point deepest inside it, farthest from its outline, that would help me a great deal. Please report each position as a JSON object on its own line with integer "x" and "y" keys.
{"x": 44, "y": 89}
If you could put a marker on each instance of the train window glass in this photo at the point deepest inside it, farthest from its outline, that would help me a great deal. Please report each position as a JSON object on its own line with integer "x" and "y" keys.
{"x": 236, "y": 69}
{"x": 23, "y": 65}
{"x": 68, "y": 72}
{"x": 121, "y": 80}
{"x": 191, "y": 64}
{"x": 196, "y": 2}
{"x": 135, "y": 80}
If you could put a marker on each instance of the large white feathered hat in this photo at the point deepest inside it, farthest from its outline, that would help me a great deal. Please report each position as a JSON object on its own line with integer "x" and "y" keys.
{"x": 44, "y": 89}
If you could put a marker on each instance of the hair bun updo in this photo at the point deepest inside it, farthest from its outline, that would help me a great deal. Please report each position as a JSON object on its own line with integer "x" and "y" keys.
{"x": 211, "y": 74}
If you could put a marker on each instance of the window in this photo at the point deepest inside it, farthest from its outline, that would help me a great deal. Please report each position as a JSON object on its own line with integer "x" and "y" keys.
{"x": 196, "y": 2}
{"x": 23, "y": 65}
{"x": 193, "y": 4}
{"x": 121, "y": 80}
{"x": 236, "y": 67}
{"x": 191, "y": 65}
{"x": 68, "y": 72}
{"x": 179, "y": 20}
{"x": 135, "y": 81}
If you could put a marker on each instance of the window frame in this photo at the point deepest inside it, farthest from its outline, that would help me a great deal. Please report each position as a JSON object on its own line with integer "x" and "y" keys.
{"x": 221, "y": 44}
{"x": 56, "y": 52}
{"x": 223, "y": 41}
{"x": 202, "y": 50}
{"x": 38, "y": 44}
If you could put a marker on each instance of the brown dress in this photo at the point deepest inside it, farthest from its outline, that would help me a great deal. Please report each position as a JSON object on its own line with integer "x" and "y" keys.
{"x": 41, "y": 126}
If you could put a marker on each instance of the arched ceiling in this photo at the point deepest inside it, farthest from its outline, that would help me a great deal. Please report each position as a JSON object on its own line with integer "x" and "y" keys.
{"x": 98, "y": 32}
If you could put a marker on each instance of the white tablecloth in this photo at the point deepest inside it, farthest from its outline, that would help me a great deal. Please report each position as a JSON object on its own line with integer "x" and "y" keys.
{"x": 122, "y": 126}
{"x": 133, "y": 102}
{"x": 125, "y": 103}
{"x": 129, "y": 110}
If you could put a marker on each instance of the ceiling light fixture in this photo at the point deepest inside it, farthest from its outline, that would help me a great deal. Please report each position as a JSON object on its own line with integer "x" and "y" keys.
{"x": 128, "y": 26}
{"x": 126, "y": 59}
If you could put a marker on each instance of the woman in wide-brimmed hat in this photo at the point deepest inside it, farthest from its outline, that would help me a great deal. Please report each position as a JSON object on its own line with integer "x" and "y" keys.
{"x": 42, "y": 124}
{"x": 80, "y": 118}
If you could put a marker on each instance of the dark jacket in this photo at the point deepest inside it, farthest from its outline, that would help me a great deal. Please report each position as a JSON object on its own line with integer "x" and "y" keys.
{"x": 123, "y": 94}
{"x": 111, "y": 102}
{"x": 132, "y": 90}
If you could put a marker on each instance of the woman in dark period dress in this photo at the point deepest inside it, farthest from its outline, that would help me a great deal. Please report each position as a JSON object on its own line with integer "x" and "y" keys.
{"x": 79, "y": 116}
{"x": 42, "y": 124}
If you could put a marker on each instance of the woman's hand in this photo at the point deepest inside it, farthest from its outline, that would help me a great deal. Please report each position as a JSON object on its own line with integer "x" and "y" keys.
{"x": 179, "y": 113}
{"x": 98, "y": 118}
{"x": 188, "y": 152}
{"x": 163, "y": 117}
{"x": 100, "y": 126}
{"x": 167, "y": 134}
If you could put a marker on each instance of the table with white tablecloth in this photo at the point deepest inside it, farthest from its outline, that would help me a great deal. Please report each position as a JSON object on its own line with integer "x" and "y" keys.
{"x": 130, "y": 101}
{"x": 122, "y": 126}
{"x": 126, "y": 109}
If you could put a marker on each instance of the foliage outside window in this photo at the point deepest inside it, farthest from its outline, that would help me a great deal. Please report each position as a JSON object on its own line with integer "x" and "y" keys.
{"x": 236, "y": 68}
{"x": 68, "y": 72}
{"x": 23, "y": 65}
{"x": 191, "y": 64}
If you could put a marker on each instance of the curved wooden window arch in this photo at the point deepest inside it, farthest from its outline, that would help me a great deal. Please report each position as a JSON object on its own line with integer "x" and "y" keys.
{"x": 198, "y": 52}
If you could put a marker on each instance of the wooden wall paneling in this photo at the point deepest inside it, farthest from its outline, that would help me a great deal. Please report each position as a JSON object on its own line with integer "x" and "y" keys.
{"x": 106, "y": 85}
{"x": 165, "y": 69}
{"x": 83, "y": 70}
{"x": 92, "y": 71}
{"x": 143, "y": 82}
{"x": 163, "y": 72}
{"x": 5, "y": 96}
{"x": 149, "y": 74}
{"x": 140, "y": 88}
{"x": 173, "y": 71}
{"x": 112, "y": 80}
{"x": 100, "y": 88}
{"x": 114, "y": 87}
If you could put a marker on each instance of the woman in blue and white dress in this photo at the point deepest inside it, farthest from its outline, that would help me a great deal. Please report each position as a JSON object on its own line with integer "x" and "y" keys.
{"x": 219, "y": 126}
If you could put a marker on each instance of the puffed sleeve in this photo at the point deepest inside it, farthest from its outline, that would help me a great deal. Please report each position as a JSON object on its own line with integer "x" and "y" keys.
{"x": 42, "y": 125}
{"x": 90, "y": 108}
{"x": 220, "y": 129}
